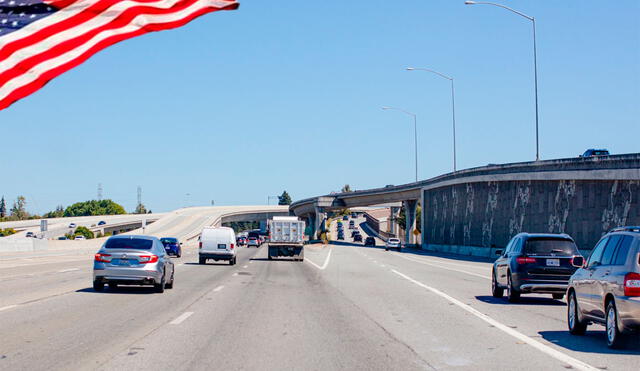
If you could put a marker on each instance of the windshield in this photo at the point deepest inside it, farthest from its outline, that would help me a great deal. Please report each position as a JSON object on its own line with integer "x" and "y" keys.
{"x": 129, "y": 243}
{"x": 549, "y": 246}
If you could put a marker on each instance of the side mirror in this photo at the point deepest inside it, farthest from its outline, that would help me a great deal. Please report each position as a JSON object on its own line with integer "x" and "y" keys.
{"x": 578, "y": 261}
{"x": 498, "y": 252}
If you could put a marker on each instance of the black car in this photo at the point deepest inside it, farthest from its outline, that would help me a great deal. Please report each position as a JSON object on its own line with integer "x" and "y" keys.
{"x": 369, "y": 241}
{"x": 341, "y": 236}
{"x": 354, "y": 233}
{"x": 357, "y": 238}
{"x": 595, "y": 152}
{"x": 345, "y": 218}
{"x": 102, "y": 222}
{"x": 534, "y": 263}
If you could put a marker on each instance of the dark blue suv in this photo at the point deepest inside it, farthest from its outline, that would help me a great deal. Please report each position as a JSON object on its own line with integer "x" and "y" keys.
{"x": 536, "y": 264}
{"x": 172, "y": 246}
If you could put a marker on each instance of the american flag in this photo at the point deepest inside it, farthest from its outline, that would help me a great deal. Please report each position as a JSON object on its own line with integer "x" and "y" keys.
{"x": 41, "y": 39}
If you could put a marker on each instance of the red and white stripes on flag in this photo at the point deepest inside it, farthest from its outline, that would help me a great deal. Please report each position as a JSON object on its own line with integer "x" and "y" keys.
{"x": 38, "y": 52}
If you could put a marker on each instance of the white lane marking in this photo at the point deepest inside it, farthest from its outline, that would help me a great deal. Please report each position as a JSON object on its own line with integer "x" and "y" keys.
{"x": 441, "y": 267}
{"x": 218, "y": 288}
{"x": 69, "y": 270}
{"x": 326, "y": 261}
{"x": 235, "y": 274}
{"x": 246, "y": 266}
{"x": 181, "y": 318}
{"x": 7, "y": 307}
{"x": 575, "y": 363}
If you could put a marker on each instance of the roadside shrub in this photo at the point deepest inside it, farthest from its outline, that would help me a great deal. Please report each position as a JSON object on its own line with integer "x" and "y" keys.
{"x": 84, "y": 231}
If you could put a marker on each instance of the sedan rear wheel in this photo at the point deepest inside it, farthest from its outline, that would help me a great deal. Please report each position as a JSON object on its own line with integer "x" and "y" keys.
{"x": 576, "y": 327}
{"x": 159, "y": 287}
{"x": 98, "y": 286}
{"x": 513, "y": 295}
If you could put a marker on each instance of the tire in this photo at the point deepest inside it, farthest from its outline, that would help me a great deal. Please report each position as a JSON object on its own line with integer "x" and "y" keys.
{"x": 232, "y": 261}
{"x": 576, "y": 327}
{"x": 615, "y": 338}
{"x": 557, "y": 296}
{"x": 98, "y": 286}
{"x": 202, "y": 261}
{"x": 170, "y": 284}
{"x": 496, "y": 291}
{"x": 159, "y": 287}
{"x": 386, "y": 249}
{"x": 269, "y": 257}
{"x": 513, "y": 295}
{"x": 113, "y": 286}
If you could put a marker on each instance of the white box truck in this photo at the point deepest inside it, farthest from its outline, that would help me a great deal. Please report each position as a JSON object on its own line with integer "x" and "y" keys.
{"x": 286, "y": 237}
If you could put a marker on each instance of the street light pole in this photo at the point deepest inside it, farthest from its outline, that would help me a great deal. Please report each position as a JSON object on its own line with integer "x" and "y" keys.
{"x": 415, "y": 131}
{"x": 453, "y": 107}
{"x": 535, "y": 59}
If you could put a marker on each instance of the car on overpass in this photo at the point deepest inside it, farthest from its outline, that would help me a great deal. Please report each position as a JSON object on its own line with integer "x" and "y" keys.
{"x": 539, "y": 263}
{"x": 133, "y": 260}
{"x": 607, "y": 289}
{"x": 595, "y": 152}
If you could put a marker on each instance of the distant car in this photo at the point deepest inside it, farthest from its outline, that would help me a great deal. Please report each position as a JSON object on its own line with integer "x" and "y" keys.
{"x": 241, "y": 241}
{"x": 357, "y": 238}
{"x": 369, "y": 241}
{"x": 393, "y": 243}
{"x": 534, "y": 263}
{"x": 606, "y": 289}
{"x": 340, "y": 236}
{"x": 253, "y": 241}
{"x": 172, "y": 246}
{"x": 354, "y": 233}
{"x": 595, "y": 152}
{"x": 354, "y": 215}
{"x": 30, "y": 234}
{"x": 102, "y": 222}
{"x": 72, "y": 225}
{"x": 345, "y": 217}
{"x": 79, "y": 238}
{"x": 62, "y": 238}
{"x": 133, "y": 260}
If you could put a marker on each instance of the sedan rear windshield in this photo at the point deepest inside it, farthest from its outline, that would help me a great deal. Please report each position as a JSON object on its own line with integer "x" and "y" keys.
{"x": 129, "y": 243}
{"x": 168, "y": 240}
{"x": 547, "y": 246}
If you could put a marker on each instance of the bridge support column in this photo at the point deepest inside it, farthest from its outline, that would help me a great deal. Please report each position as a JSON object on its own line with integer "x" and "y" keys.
{"x": 410, "y": 214}
{"x": 393, "y": 223}
{"x": 318, "y": 225}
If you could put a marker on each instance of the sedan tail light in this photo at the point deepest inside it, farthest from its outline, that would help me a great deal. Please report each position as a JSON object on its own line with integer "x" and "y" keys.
{"x": 103, "y": 258}
{"x": 200, "y": 245}
{"x": 148, "y": 259}
{"x": 525, "y": 260}
{"x": 632, "y": 284}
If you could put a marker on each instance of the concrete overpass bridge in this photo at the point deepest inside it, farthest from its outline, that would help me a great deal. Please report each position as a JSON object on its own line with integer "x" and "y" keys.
{"x": 479, "y": 209}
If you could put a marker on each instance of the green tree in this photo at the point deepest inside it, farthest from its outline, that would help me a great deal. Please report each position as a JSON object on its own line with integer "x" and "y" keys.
{"x": 346, "y": 188}
{"x": 401, "y": 219}
{"x": 83, "y": 231}
{"x": 94, "y": 207}
{"x": 284, "y": 199}
{"x": 140, "y": 209}
{"x": 3, "y": 208}
{"x": 19, "y": 208}
{"x": 57, "y": 213}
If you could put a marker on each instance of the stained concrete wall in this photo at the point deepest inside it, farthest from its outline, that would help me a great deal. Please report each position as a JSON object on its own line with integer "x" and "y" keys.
{"x": 489, "y": 213}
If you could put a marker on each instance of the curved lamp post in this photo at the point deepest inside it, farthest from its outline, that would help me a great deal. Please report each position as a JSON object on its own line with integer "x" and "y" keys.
{"x": 415, "y": 131}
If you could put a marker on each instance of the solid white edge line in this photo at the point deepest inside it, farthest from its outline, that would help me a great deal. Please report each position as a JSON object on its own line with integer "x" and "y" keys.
{"x": 441, "y": 267}
{"x": 69, "y": 270}
{"x": 181, "y": 318}
{"x": 7, "y": 307}
{"x": 326, "y": 261}
{"x": 218, "y": 288}
{"x": 575, "y": 363}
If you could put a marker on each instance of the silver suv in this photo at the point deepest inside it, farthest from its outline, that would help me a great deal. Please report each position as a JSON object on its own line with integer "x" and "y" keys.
{"x": 606, "y": 290}
{"x": 133, "y": 260}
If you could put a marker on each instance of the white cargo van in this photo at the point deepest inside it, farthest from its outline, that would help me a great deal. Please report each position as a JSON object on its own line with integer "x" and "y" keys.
{"x": 217, "y": 243}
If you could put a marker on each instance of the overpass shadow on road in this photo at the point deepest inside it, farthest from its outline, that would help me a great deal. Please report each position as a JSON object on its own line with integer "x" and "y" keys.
{"x": 591, "y": 342}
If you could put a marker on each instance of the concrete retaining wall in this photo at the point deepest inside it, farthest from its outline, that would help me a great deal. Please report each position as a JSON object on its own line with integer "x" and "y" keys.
{"x": 488, "y": 213}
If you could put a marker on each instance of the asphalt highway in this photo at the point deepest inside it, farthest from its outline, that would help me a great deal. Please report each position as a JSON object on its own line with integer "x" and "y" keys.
{"x": 345, "y": 307}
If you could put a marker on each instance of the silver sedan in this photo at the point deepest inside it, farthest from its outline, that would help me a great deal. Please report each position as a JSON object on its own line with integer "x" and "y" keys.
{"x": 133, "y": 260}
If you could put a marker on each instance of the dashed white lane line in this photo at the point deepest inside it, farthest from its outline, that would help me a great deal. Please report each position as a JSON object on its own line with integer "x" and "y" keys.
{"x": 181, "y": 318}
{"x": 218, "y": 288}
{"x": 245, "y": 266}
{"x": 7, "y": 307}
{"x": 69, "y": 270}
{"x": 235, "y": 274}
{"x": 419, "y": 261}
{"x": 326, "y": 261}
{"x": 575, "y": 363}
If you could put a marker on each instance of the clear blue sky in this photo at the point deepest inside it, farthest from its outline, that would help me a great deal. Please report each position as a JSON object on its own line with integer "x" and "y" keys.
{"x": 239, "y": 105}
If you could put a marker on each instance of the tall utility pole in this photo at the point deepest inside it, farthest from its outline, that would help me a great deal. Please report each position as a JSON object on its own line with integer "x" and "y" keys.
{"x": 99, "y": 191}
